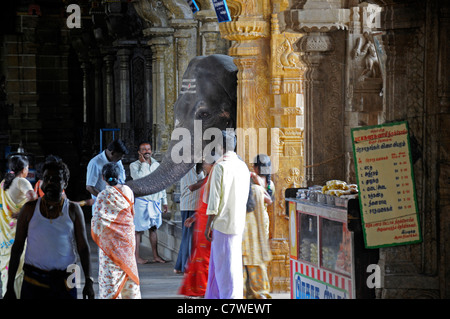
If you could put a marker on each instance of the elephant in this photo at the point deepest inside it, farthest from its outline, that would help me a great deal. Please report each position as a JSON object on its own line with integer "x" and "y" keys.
{"x": 207, "y": 99}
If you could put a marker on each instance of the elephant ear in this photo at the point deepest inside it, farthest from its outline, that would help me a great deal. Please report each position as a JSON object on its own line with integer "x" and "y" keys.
{"x": 226, "y": 78}
{"x": 229, "y": 76}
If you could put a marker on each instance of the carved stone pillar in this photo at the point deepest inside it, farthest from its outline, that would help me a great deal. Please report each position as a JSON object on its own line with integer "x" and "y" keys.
{"x": 269, "y": 104}
{"x": 185, "y": 37}
{"x": 411, "y": 94}
{"x": 322, "y": 50}
{"x": 124, "y": 74}
{"x": 86, "y": 68}
{"x": 364, "y": 75}
{"x": 313, "y": 48}
{"x": 148, "y": 85}
{"x": 287, "y": 109}
{"x": 109, "y": 86}
{"x": 98, "y": 90}
{"x": 444, "y": 122}
{"x": 246, "y": 51}
{"x": 158, "y": 46}
{"x": 209, "y": 32}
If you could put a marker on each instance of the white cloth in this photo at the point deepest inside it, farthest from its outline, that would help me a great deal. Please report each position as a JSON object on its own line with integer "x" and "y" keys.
{"x": 147, "y": 214}
{"x": 19, "y": 189}
{"x": 226, "y": 277}
{"x": 147, "y": 208}
{"x": 140, "y": 169}
{"x": 228, "y": 194}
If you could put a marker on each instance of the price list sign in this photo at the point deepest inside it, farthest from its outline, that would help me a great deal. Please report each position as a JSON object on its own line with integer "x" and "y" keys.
{"x": 386, "y": 185}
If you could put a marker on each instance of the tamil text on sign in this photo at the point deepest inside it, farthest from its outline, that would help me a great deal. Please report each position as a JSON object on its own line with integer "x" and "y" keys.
{"x": 385, "y": 177}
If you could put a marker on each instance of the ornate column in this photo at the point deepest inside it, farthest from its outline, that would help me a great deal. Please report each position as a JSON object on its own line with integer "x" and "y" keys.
{"x": 444, "y": 121}
{"x": 148, "y": 85}
{"x": 411, "y": 34}
{"x": 287, "y": 109}
{"x": 209, "y": 33}
{"x": 159, "y": 45}
{"x": 109, "y": 86}
{"x": 313, "y": 48}
{"x": 270, "y": 104}
{"x": 86, "y": 68}
{"x": 365, "y": 73}
{"x": 246, "y": 49}
{"x": 124, "y": 74}
{"x": 322, "y": 50}
{"x": 185, "y": 38}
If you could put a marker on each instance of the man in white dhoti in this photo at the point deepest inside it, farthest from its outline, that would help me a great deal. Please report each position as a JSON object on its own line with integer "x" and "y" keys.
{"x": 148, "y": 209}
{"x": 229, "y": 184}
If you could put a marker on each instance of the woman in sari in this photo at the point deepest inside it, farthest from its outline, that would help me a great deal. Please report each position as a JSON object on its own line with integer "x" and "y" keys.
{"x": 112, "y": 229}
{"x": 15, "y": 191}
{"x": 196, "y": 273}
{"x": 256, "y": 252}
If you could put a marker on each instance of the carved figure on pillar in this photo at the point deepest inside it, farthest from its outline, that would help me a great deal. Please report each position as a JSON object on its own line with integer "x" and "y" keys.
{"x": 369, "y": 53}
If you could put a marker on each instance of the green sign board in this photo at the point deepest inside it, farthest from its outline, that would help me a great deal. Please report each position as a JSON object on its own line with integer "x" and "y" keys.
{"x": 385, "y": 177}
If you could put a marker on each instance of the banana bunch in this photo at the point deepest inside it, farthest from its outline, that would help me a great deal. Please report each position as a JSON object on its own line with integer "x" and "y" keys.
{"x": 338, "y": 188}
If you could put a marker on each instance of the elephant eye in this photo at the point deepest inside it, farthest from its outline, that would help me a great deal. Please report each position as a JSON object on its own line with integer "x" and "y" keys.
{"x": 202, "y": 114}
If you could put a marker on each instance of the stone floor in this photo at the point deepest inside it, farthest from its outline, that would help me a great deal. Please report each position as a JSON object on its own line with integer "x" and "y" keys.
{"x": 157, "y": 281}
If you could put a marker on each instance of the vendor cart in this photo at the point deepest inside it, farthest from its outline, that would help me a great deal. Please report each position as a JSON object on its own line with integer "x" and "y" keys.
{"x": 328, "y": 259}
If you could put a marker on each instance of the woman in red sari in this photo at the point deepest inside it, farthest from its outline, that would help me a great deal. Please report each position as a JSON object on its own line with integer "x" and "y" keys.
{"x": 196, "y": 274}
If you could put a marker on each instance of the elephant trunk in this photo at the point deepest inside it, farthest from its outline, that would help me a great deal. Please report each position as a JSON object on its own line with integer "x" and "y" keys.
{"x": 165, "y": 175}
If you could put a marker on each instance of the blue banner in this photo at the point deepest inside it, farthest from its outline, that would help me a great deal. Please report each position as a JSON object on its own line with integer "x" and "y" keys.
{"x": 192, "y": 5}
{"x": 222, "y": 12}
{"x": 308, "y": 288}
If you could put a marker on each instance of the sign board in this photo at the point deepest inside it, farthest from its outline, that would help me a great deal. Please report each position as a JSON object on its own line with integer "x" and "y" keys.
{"x": 311, "y": 283}
{"x": 193, "y": 5}
{"x": 387, "y": 197}
{"x": 222, "y": 12}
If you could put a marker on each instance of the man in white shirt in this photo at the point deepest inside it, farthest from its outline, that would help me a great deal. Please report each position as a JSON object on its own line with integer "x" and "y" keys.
{"x": 227, "y": 199}
{"x": 147, "y": 208}
{"x": 188, "y": 204}
{"x": 113, "y": 153}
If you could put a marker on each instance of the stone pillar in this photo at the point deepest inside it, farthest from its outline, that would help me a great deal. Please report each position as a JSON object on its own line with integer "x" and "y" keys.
{"x": 313, "y": 48}
{"x": 87, "y": 89}
{"x": 209, "y": 32}
{"x": 269, "y": 104}
{"x": 287, "y": 126}
{"x": 98, "y": 90}
{"x": 246, "y": 51}
{"x": 158, "y": 46}
{"x": 109, "y": 87}
{"x": 411, "y": 93}
{"x": 148, "y": 85}
{"x": 444, "y": 122}
{"x": 185, "y": 38}
{"x": 124, "y": 74}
